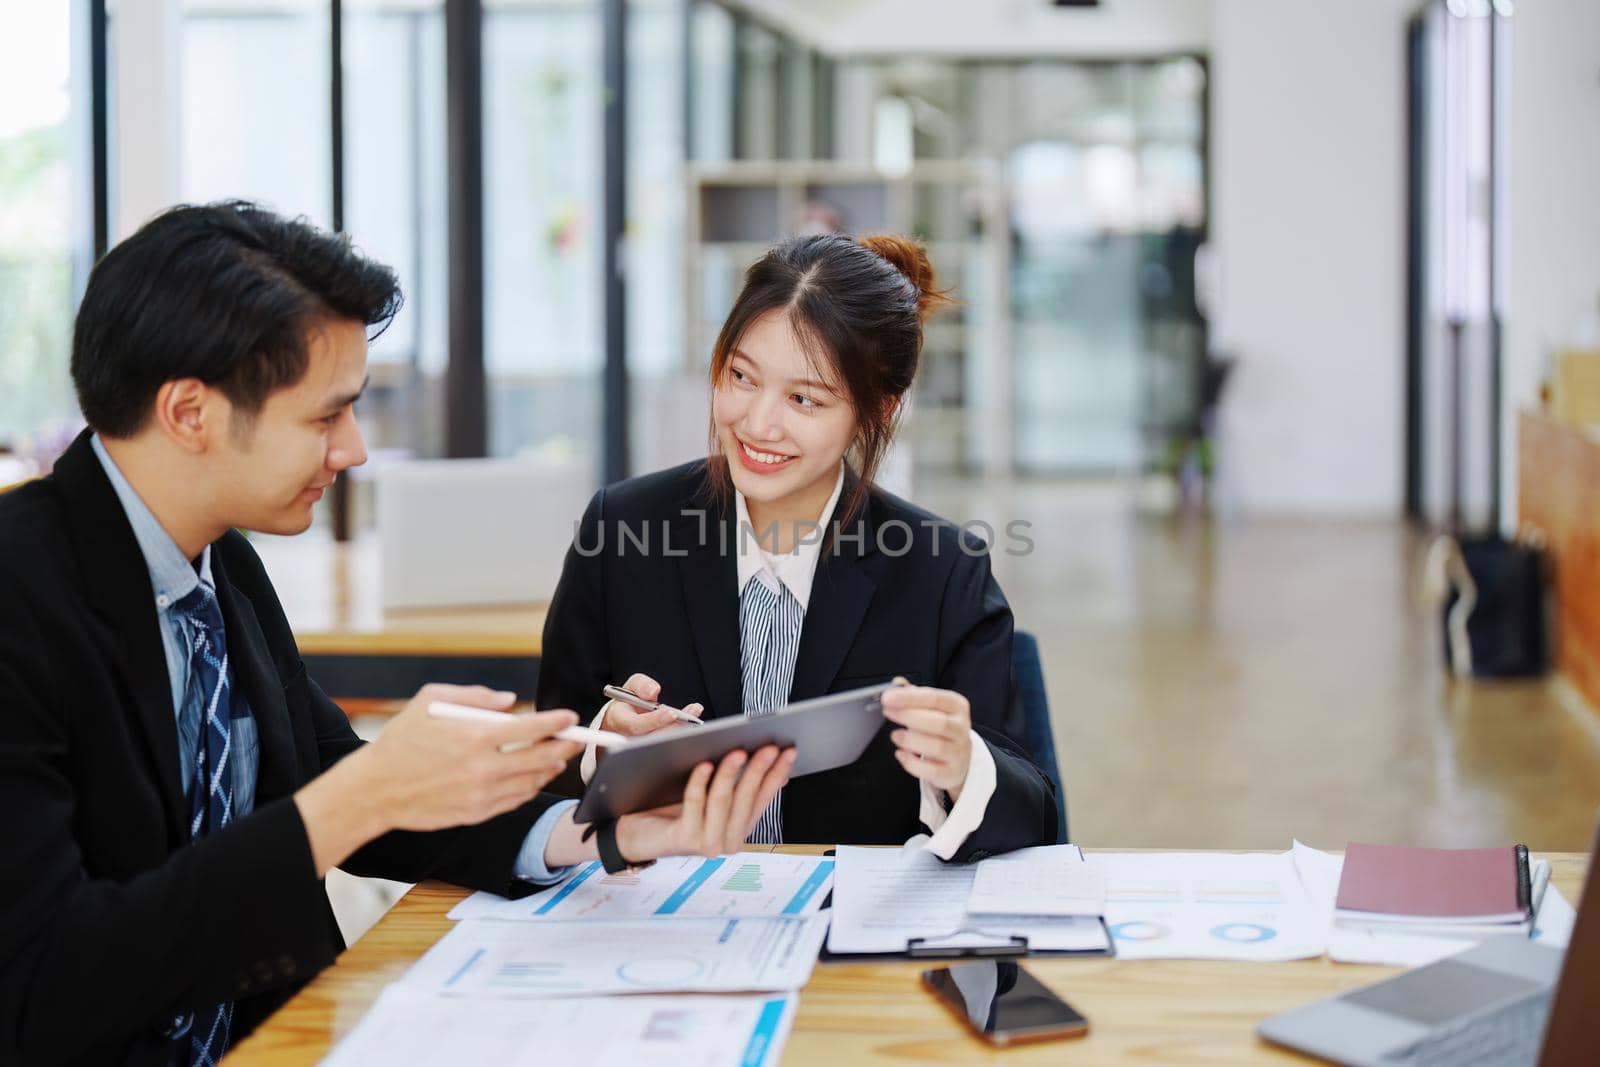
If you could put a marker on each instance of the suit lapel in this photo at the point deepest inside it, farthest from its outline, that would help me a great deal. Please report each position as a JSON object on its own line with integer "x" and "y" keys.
{"x": 259, "y": 681}
{"x": 840, "y": 595}
{"x": 711, "y": 597}
{"x": 841, "y": 591}
{"x": 144, "y": 666}
{"x": 117, "y": 581}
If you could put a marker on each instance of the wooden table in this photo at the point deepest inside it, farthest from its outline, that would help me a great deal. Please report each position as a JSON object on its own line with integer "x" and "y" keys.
{"x": 370, "y": 658}
{"x": 1140, "y": 1012}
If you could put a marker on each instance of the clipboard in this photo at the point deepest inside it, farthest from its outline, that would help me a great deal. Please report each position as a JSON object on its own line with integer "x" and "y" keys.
{"x": 650, "y": 772}
{"x": 923, "y": 948}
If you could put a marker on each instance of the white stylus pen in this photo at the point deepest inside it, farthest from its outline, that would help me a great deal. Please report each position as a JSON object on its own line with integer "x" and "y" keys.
{"x": 583, "y": 735}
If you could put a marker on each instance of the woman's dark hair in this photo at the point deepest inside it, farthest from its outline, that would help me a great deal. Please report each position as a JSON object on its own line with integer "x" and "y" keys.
{"x": 857, "y": 307}
{"x": 226, "y": 293}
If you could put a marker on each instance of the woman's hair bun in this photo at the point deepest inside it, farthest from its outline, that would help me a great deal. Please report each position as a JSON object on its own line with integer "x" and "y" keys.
{"x": 910, "y": 258}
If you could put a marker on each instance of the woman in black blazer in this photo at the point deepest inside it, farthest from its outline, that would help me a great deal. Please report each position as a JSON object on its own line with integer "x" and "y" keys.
{"x": 775, "y": 570}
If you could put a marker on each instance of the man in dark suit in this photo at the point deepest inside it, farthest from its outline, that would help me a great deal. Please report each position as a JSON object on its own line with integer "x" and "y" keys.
{"x": 173, "y": 786}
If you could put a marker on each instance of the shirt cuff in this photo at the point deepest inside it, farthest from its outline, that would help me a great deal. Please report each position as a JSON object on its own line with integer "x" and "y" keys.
{"x": 530, "y": 865}
{"x": 587, "y": 764}
{"x": 951, "y": 828}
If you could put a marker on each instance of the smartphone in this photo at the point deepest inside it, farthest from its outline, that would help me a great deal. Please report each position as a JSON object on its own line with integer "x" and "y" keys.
{"x": 1004, "y": 1004}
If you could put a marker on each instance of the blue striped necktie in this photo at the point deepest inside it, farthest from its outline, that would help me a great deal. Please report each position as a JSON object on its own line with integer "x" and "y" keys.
{"x": 208, "y": 700}
{"x": 769, "y": 639}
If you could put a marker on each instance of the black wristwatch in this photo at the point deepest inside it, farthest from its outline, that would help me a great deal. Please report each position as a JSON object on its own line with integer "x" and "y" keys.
{"x": 605, "y": 839}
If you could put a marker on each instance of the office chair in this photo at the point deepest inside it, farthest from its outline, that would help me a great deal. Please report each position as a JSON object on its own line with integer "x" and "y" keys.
{"x": 1028, "y": 693}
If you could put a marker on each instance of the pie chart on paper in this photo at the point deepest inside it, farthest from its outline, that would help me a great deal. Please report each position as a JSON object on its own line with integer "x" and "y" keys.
{"x": 654, "y": 972}
{"x": 1243, "y": 933}
{"x": 1140, "y": 930}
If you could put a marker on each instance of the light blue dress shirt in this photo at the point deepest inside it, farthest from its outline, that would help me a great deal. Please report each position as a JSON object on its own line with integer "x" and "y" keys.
{"x": 172, "y": 577}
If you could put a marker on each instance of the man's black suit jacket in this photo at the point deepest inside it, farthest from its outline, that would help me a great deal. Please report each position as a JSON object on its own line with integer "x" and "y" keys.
{"x": 111, "y": 921}
{"x": 650, "y": 584}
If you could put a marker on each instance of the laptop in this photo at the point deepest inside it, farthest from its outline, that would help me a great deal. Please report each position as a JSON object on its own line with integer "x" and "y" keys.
{"x": 1506, "y": 1003}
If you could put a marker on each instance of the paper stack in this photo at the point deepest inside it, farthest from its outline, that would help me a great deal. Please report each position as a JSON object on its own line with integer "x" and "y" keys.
{"x": 537, "y": 979}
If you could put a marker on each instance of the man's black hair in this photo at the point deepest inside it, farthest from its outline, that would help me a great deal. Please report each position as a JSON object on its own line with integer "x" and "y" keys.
{"x": 226, "y": 293}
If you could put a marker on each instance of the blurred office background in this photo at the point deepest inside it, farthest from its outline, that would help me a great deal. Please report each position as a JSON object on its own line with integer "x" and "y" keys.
{"x": 1233, "y": 276}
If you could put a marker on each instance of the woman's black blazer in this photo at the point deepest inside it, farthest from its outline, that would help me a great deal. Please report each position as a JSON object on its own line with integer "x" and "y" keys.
{"x": 650, "y": 584}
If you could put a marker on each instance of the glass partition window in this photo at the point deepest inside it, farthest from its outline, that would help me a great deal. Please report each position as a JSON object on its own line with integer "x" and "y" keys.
{"x": 542, "y": 158}
{"x": 396, "y": 210}
{"x": 255, "y": 105}
{"x": 667, "y": 408}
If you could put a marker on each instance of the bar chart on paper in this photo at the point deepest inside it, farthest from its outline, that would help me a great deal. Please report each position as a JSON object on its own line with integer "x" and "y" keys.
{"x": 744, "y": 885}
{"x": 747, "y": 879}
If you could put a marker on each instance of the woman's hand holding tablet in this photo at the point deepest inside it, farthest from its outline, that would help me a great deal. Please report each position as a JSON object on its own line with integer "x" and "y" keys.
{"x": 934, "y": 741}
{"x": 719, "y": 808}
{"x": 649, "y": 772}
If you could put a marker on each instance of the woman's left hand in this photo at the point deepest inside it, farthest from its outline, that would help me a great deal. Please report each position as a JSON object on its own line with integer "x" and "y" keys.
{"x": 934, "y": 741}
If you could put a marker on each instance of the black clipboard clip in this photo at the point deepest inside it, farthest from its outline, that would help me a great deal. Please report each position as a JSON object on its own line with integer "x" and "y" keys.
{"x": 923, "y": 948}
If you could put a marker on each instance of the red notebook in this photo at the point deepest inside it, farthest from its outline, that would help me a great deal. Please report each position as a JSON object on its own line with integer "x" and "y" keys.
{"x": 1392, "y": 882}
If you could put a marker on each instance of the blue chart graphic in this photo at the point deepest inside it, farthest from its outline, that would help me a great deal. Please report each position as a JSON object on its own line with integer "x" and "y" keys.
{"x": 1243, "y": 933}
{"x": 755, "y": 1052}
{"x": 1139, "y": 930}
{"x": 566, "y": 891}
{"x": 809, "y": 888}
{"x": 681, "y": 894}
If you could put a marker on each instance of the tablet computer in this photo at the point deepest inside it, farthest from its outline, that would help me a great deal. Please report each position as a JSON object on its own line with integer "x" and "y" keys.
{"x": 826, "y": 732}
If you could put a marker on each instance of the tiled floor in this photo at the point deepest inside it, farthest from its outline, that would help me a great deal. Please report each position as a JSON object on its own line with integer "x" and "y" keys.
{"x": 1220, "y": 684}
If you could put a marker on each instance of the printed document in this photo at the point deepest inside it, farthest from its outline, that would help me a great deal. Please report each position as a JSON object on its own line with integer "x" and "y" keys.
{"x": 1210, "y": 906}
{"x": 1048, "y": 880}
{"x": 743, "y": 885}
{"x": 496, "y": 959}
{"x": 887, "y": 900}
{"x": 410, "y": 1028}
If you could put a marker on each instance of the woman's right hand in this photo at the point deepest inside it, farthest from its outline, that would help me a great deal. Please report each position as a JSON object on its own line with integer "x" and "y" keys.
{"x": 630, "y": 721}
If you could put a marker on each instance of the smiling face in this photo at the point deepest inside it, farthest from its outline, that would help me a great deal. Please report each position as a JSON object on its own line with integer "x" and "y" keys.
{"x": 274, "y": 466}
{"x": 781, "y": 422}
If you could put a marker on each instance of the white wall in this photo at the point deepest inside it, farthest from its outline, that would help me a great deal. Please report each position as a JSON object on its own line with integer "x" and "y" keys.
{"x": 1308, "y": 225}
{"x": 1554, "y": 196}
{"x": 991, "y": 27}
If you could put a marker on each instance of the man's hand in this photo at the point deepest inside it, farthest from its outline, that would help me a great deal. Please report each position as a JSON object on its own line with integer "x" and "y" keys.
{"x": 446, "y": 772}
{"x": 426, "y": 773}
